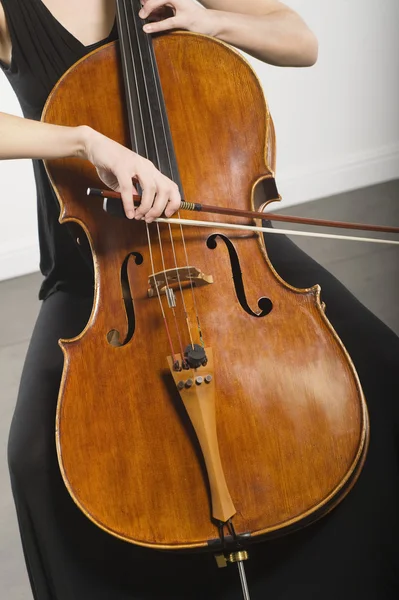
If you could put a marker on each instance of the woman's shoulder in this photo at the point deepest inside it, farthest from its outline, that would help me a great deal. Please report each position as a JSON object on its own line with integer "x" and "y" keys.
{"x": 5, "y": 42}
{"x": 2, "y": 21}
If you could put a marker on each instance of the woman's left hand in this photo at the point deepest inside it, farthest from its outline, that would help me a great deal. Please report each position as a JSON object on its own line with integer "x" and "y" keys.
{"x": 175, "y": 14}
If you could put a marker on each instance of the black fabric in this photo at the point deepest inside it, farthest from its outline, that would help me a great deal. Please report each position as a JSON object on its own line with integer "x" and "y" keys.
{"x": 42, "y": 50}
{"x": 349, "y": 554}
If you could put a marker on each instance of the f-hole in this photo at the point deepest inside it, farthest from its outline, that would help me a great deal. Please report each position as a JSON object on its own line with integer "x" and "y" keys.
{"x": 113, "y": 336}
{"x": 265, "y": 305}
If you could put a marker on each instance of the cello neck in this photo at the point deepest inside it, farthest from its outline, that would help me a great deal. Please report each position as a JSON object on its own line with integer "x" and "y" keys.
{"x": 148, "y": 123}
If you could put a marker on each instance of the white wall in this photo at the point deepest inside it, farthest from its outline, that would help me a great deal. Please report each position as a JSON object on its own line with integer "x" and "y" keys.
{"x": 19, "y": 252}
{"x": 337, "y": 123}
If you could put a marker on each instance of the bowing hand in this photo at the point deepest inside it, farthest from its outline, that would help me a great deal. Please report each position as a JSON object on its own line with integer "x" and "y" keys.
{"x": 175, "y": 14}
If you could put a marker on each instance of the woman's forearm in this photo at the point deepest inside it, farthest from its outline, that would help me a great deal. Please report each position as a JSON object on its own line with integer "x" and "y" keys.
{"x": 116, "y": 165}
{"x": 267, "y": 29}
{"x": 280, "y": 38}
{"x": 23, "y": 138}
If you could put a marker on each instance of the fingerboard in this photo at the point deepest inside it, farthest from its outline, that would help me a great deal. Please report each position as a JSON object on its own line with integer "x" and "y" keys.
{"x": 148, "y": 122}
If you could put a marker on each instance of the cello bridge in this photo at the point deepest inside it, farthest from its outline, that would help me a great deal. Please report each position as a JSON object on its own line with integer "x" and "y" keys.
{"x": 174, "y": 278}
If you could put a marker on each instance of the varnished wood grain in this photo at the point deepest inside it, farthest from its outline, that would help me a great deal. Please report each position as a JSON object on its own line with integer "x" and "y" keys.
{"x": 291, "y": 418}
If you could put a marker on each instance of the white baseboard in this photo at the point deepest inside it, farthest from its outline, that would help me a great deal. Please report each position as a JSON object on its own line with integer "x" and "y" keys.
{"x": 19, "y": 258}
{"x": 350, "y": 173}
{"x": 354, "y": 172}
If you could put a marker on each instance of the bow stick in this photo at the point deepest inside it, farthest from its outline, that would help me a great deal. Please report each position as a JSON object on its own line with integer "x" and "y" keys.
{"x": 196, "y": 207}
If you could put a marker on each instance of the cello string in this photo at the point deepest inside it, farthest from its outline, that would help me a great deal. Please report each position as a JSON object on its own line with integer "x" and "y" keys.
{"x": 179, "y": 335}
{"x": 159, "y": 298}
{"x": 158, "y": 98}
{"x": 125, "y": 66}
{"x": 181, "y": 228}
{"x": 140, "y": 108}
{"x": 191, "y": 281}
{"x": 154, "y": 75}
{"x": 169, "y": 159}
{"x": 158, "y": 162}
{"x": 171, "y": 294}
{"x": 135, "y": 74}
{"x": 180, "y": 286}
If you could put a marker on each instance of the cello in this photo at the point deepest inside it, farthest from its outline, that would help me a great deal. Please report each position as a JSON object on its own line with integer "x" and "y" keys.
{"x": 201, "y": 379}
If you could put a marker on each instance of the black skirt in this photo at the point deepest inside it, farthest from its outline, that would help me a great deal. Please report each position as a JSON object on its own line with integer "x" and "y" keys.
{"x": 349, "y": 554}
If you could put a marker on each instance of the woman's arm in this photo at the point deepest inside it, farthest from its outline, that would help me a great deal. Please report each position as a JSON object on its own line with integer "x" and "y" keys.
{"x": 23, "y": 138}
{"x": 115, "y": 164}
{"x": 266, "y": 29}
{"x": 5, "y": 42}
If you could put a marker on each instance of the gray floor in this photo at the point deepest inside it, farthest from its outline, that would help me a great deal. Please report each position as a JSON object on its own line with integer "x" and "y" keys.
{"x": 370, "y": 271}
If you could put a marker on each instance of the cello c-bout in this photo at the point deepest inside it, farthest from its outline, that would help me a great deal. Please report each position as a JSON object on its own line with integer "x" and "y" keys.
{"x": 262, "y": 425}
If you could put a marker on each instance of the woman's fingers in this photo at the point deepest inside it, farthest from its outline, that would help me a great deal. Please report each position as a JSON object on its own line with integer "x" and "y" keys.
{"x": 151, "y": 6}
{"x": 173, "y": 14}
{"x": 126, "y": 190}
{"x": 161, "y": 200}
{"x": 118, "y": 166}
{"x": 158, "y": 192}
{"x": 173, "y": 202}
{"x": 166, "y": 201}
{"x": 149, "y": 191}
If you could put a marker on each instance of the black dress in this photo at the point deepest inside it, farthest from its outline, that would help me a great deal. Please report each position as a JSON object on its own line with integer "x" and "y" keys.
{"x": 349, "y": 554}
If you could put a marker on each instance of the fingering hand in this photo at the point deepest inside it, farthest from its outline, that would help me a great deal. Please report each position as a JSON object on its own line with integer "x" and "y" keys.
{"x": 175, "y": 14}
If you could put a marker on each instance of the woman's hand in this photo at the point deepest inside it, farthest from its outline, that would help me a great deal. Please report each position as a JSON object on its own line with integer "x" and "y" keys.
{"x": 267, "y": 29}
{"x": 117, "y": 167}
{"x": 175, "y": 14}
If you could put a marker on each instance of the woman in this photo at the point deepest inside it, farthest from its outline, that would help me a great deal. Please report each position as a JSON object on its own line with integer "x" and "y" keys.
{"x": 348, "y": 554}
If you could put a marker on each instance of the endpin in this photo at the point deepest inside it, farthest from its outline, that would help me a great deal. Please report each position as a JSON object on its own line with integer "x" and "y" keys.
{"x": 239, "y": 558}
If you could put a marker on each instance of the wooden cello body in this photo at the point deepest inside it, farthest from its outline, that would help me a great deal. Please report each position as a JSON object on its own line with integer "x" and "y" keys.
{"x": 283, "y": 403}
